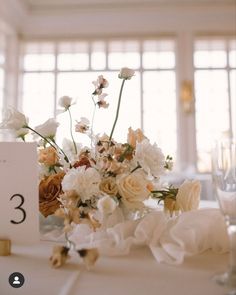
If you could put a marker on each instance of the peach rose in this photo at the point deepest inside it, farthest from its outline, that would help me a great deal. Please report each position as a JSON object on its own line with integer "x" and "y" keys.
{"x": 49, "y": 190}
{"x": 135, "y": 136}
{"x": 188, "y": 196}
{"x": 48, "y": 156}
{"x": 133, "y": 190}
{"x": 108, "y": 186}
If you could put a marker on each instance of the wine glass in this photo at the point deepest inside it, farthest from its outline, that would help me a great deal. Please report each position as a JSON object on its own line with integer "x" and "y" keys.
{"x": 224, "y": 180}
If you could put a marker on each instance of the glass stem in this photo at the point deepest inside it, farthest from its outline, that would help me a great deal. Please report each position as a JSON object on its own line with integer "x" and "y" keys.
{"x": 231, "y": 227}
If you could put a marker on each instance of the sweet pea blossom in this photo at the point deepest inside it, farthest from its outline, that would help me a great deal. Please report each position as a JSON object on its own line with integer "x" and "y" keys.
{"x": 101, "y": 102}
{"x": 15, "y": 121}
{"x": 65, "y": 102}
{"x": 126, "y": 73}
{"x": 82, "y": 126}
{"x": 99, "y": 84}
{"x": 48, "y": 129}
{"x": 150, "y": 158}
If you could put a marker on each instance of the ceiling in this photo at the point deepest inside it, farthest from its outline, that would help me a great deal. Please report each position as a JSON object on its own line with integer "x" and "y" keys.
{"x": 68, "y": 4}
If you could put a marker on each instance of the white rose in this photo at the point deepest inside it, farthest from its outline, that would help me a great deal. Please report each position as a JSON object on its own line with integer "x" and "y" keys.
{"x": 188, "y": 196}
{"x": 84, "y": 181}
{"x": 126, "y": 73}
{"x": 15, "y": 121}
{"x": 65, "y": 102}
{"x": 150, "y": 158}
{"x": 133, "y": 190}
{"x": 48, "y": 129}
{"x": 106, "y": 205}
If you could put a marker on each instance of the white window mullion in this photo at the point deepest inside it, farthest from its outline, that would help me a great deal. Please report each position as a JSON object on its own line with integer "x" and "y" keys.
{"x": 186, "y": 141}
{"x": 229, "y": 92}
{"x": 55, "y": 78}
{"x": 141, "y": 84}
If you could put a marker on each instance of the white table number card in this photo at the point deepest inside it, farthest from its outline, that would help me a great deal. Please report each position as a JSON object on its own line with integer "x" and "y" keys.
{"x": 19, "y": 209}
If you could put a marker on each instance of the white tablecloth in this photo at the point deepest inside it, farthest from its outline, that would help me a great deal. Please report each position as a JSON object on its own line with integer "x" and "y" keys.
{"x": 136, "y": 274}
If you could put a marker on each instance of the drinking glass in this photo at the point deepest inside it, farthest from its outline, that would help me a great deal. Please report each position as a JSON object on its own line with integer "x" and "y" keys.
{"x": 224, "y": 180}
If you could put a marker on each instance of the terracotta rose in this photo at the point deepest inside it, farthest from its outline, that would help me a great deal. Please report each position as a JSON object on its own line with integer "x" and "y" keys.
{"x": 49, "y": 191}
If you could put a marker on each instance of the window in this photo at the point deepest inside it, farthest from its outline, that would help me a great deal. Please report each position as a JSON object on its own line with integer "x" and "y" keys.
{"x": 51, "y": 70}
{"x": 215, "y": 76}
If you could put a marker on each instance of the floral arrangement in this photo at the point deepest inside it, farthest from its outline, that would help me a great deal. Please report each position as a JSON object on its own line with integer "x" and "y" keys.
{"x": 90, "y": 184}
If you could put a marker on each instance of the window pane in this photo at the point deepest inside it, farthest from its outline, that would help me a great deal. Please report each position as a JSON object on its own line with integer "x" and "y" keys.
{"x": 160, "y": 109}
{"x": 233, "y": 100}
{"x": 38, "y": 97}
{"x": 210, "y": 54}
{"x": 39, "y": 57}
{"x": 79, "y": 86}
{"x": 123, "y": 54}
{"x": 158, "y": 54}
{"x": 1, "y": 92}
{"x": 2, "y": 48}
{"x": 232, "y": 54}
{"x": 73, "y": 56}
{"x": 98, "y": 56}
{"x": 212, "y": 111}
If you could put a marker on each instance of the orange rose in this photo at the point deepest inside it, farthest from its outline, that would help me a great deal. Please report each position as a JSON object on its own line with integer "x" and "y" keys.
{"x": 48, "y": 156}
{"x": 49, "y": 190}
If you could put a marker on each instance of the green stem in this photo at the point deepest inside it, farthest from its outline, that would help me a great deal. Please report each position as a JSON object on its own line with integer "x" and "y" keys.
{"x": 44, "y": 138}
{"x": 71, "y": 133}
{"x": 55, "y": 146}
{"x": 136, "y": 168}
{"x": 61, "y": 150}
{"x": 92, "y": 122}
{"x": 117, "y": 110}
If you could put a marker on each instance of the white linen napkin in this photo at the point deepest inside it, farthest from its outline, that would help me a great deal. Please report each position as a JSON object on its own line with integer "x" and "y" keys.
{"x": 170, "y": 239}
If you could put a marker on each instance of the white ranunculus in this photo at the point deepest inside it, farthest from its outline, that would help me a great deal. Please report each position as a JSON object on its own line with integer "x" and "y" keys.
{"x": 188, "y": 196}
{"x": 150, "y": 158}
{"x": 106, "y": 205}
{"x": 84, "y": 181}
{"x": 65, "y": 102}
{"x": 133, "y": 190}
{"x": 48, "y": 129}
{"x": 15, "y": 121}
{"x": 126, "y": 73}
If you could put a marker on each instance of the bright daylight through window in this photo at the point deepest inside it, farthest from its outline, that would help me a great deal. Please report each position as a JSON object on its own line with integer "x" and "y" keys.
{"x": 51, "y": 70}
{"x": 215, "y": 76}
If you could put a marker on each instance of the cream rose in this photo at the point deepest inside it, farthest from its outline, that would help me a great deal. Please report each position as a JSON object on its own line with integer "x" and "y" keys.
{"x": 188, "y": 196}
{"x": 109, "y": 186}
{"x": 133, "y": 190}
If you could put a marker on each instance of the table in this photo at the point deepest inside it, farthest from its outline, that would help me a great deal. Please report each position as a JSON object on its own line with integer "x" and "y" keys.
{"x": 136, "y": 274}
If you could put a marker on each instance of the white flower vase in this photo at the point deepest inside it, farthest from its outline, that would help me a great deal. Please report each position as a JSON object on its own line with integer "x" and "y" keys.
{"x": 51, "y": 227}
